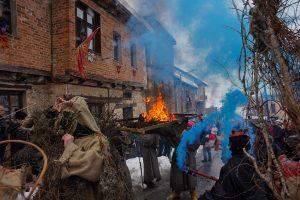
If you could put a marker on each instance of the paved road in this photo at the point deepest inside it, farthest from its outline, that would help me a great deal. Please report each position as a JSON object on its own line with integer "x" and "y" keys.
{"x": 163, "y": 190}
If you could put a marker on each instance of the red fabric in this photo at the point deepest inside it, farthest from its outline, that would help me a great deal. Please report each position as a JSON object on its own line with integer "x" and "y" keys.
{"x": 289, "y": 168}
{"x": 82, "y": 51}
{"x": 212, "y": 136}
{"x": 190, "y": 124}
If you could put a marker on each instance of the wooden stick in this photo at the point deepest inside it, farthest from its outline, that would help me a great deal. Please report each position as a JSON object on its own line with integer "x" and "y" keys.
{"x": 198, "y": 173}
{"x": 147, "y": 128}
{"x": 18, "y": 111}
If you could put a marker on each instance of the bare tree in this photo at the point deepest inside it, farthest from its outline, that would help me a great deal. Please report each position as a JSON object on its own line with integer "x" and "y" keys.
{"x": 269, "y": 60}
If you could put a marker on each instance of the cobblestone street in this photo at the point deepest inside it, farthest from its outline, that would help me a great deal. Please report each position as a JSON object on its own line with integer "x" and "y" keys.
{"x": 162, "y": 190}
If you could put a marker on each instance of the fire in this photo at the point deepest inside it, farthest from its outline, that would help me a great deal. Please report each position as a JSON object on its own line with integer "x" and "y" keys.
{"x": 159, "y": 111}
{"x": 148, "y": 100}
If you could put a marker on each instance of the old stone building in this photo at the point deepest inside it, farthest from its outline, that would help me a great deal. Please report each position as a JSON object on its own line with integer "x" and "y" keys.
{"x": 190, "y": 93}
{"x": 38, "y": 63}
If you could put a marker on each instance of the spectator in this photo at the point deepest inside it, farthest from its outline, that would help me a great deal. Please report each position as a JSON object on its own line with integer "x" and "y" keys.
{"x": 17, "y": 132}
{"x": 208, "y": 142}
{"x": 164, "y": 147}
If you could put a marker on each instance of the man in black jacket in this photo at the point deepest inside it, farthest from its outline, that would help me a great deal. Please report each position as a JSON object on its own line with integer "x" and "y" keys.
{"x": 238, "y": 179}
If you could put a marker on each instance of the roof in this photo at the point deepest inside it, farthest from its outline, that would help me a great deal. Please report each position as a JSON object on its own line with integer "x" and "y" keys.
{"x": 122, "y": 10}
{"x": 135, "y": 14}
{"x": 190, "y": 76}
{"x": 185, "y": 79}
{"x": 159, "y": 28}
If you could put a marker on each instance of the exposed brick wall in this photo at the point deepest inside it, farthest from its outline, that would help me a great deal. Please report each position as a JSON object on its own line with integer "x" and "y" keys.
{"x": 60, "y": 35}
{"x": 31, "y": 47}
{"x": 104, "y": 64}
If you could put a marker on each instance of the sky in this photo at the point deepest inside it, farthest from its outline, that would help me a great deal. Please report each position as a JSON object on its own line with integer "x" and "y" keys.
{"x": 208, "y": 44}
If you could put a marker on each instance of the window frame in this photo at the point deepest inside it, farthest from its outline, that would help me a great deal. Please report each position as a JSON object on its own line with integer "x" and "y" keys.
{"x": 133, "y": 55}
{"x": 84, "y": 22}
{"x": 12, "y": 19}
{"x": 118, "y": 42}
{"x": 148, "y": 60}
{"x": 8, "y": 93}
{"x": 125, "y": 115}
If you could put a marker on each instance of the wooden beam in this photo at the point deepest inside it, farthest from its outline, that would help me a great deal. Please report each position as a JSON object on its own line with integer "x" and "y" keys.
{"x": 147, "y": 128}
{"x": 99, "y": 78}
{"x": 23, "y": 70}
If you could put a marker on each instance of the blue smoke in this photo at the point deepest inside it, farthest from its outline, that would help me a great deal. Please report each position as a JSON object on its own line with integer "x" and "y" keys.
{"x": 228, "y": 119}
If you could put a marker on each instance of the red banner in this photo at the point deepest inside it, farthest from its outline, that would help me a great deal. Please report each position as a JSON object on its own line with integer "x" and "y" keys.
{"x": 82, "y": 51}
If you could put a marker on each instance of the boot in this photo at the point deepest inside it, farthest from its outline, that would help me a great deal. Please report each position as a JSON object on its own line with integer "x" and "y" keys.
{"x": 174, "y": 196}
{"x": 193, "y": 195}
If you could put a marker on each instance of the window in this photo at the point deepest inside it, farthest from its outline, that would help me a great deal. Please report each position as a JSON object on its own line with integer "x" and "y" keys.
{"x": 96, "y": 109}
{"x": 128, "y": 113}
{"x": 11, "y": 100}
{"x": 117, "y": 46}
{"x": 86, "y": 22}
{"x": 148, "y": 56}
{"x": 133, "y": 55}
{"x": 127, "y": 95}
{"x": 5, "y": 17}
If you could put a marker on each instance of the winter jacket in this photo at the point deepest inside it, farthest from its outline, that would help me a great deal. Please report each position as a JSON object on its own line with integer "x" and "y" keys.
{"x": 237, "y": 181}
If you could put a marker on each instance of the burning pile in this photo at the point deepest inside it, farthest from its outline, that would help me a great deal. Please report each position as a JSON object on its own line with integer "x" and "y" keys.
{"x": 158, "y": 111}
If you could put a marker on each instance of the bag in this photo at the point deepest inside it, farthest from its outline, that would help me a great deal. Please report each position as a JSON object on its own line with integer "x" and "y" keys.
{"x": 10, "y": 183}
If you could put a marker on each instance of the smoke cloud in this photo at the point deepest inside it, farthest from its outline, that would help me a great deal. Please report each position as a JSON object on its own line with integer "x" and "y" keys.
{"x": 205, "y": 33}
{"x": 228, "y": 119}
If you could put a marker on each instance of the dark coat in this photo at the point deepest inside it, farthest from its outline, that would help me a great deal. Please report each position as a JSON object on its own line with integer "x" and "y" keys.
{"x": 237, "y": 181}
{"x": 17, "y": 132}
{"x": 179, "y": 180}
{"x": 149, "y": 145}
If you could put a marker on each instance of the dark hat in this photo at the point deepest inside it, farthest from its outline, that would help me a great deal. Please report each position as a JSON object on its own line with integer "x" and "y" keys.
{"x": 239, "y": 140}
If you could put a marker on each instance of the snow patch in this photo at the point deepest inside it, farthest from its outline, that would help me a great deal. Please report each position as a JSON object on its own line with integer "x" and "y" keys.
{"x": 135, "y": 165}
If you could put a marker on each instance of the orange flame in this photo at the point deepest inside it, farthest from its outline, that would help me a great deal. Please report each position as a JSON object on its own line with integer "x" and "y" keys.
{"x": 148, "y": 100}
{"x": 158, "y": 111}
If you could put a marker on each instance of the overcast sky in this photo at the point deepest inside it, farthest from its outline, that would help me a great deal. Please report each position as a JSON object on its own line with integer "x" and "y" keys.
{"x": 207, "y": 41}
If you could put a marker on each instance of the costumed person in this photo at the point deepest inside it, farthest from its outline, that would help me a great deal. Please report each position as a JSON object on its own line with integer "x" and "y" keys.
{"x": 3, "y": 133}
{"x": 238, "y": 179}
{"x": 86, "y": 168}
{"x": 180, "y": 181}
{"x": 149, "y": 146}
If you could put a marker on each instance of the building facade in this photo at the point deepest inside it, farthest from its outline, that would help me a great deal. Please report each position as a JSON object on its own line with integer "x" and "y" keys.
{"x": 190, "y": 93}
{"x": 160, "y": 63}
{"x": 38, "y": 55}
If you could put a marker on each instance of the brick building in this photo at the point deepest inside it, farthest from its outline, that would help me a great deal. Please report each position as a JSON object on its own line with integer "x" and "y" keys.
{"x": 190, "y": 93}
{"x": 39, "y": 64}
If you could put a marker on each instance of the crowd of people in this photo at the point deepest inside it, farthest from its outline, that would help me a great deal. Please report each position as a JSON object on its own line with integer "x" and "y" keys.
{"x": 238, "y": 178}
